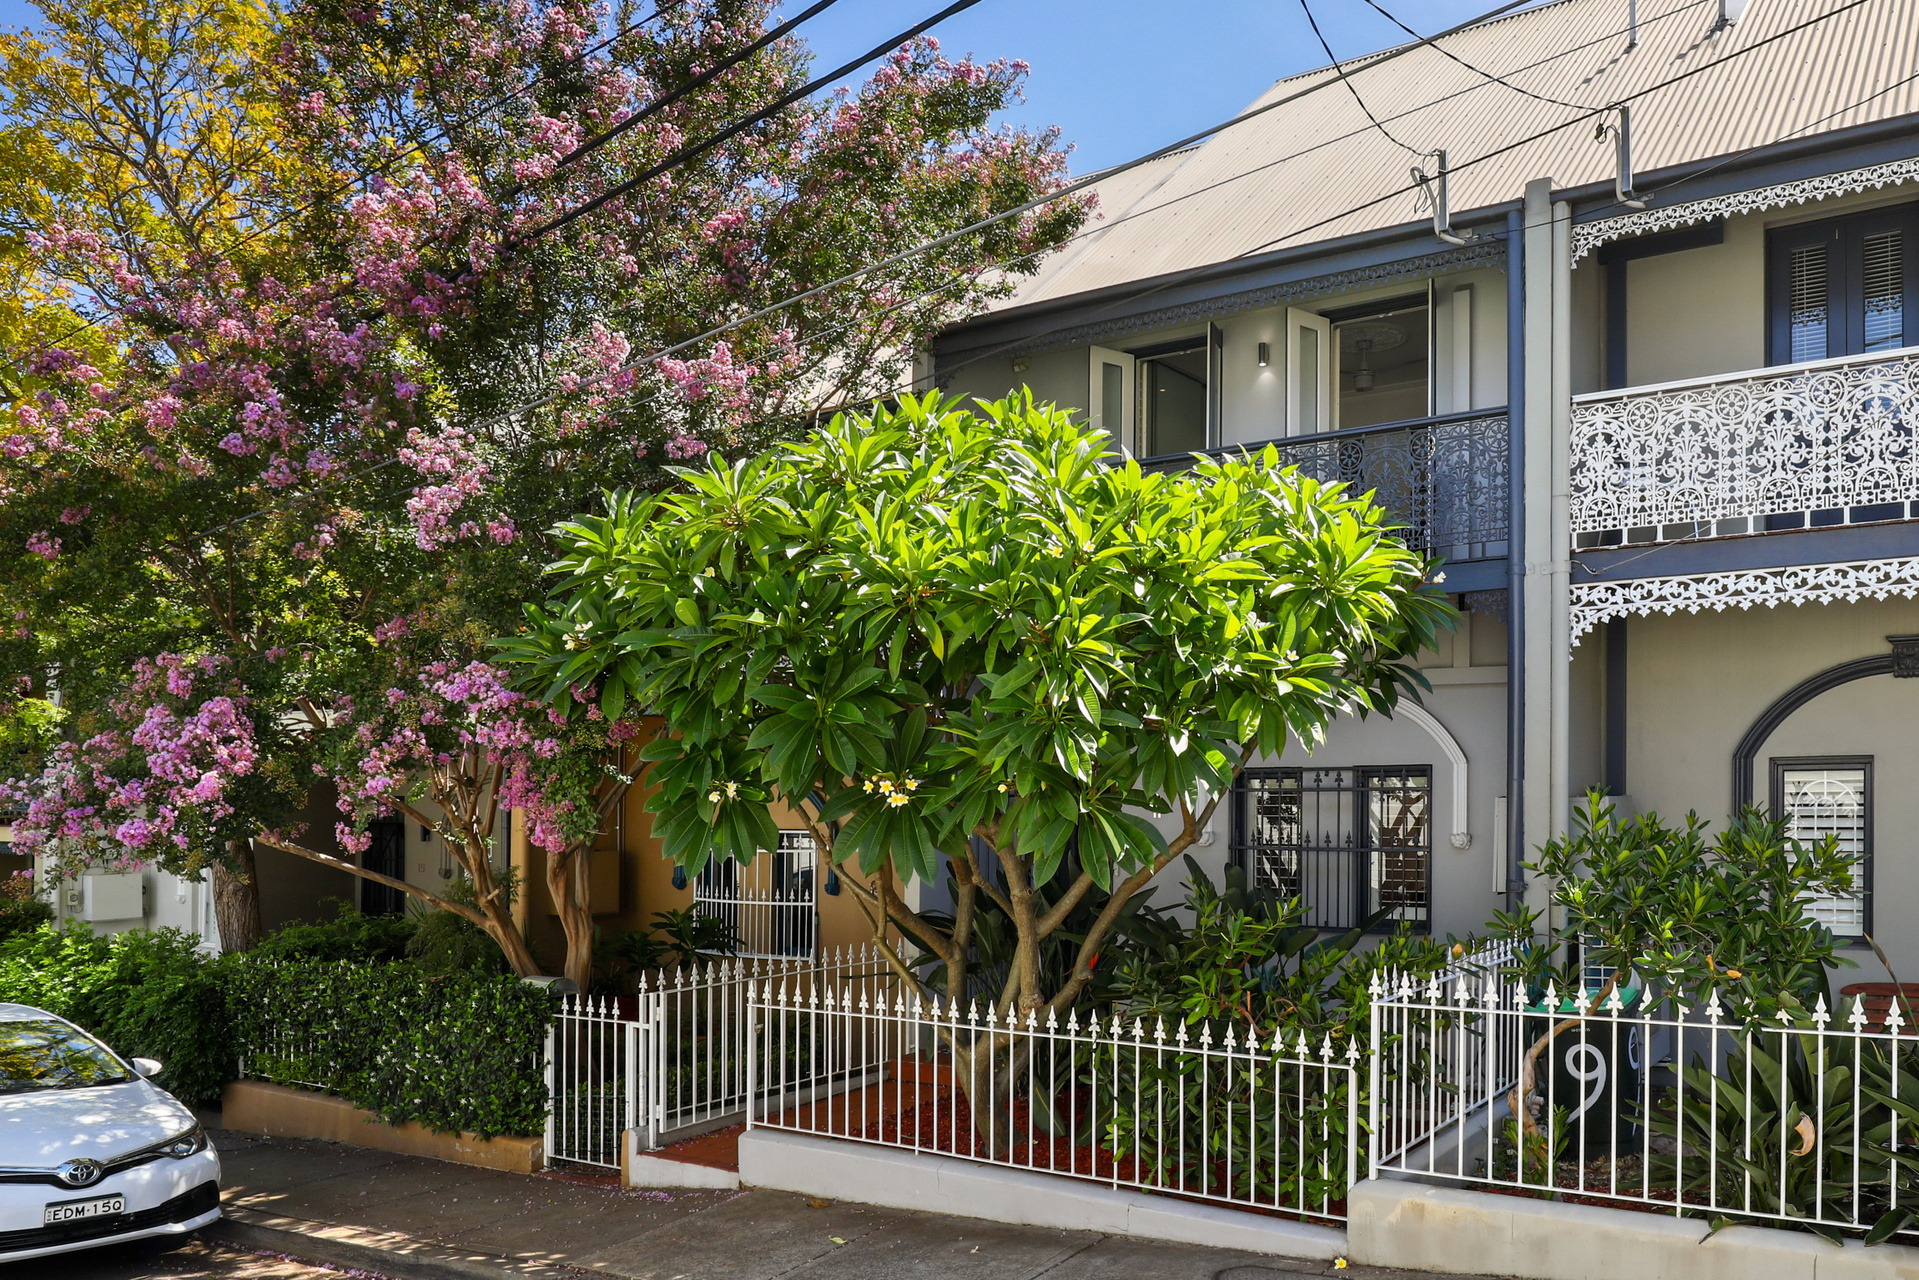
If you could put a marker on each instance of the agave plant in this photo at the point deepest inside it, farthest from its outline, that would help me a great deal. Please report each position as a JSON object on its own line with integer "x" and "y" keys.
{"x": 1817, "y": 1130}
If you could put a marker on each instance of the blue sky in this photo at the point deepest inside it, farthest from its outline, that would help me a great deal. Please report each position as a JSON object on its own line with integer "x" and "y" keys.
{"x": 1119, "y": 77}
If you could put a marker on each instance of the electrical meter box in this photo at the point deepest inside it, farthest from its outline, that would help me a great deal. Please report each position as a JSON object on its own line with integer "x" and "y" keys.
{"x": 113, "y": 897}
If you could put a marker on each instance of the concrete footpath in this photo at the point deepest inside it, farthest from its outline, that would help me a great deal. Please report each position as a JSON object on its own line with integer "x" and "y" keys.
{"x": 414, "y": 1219}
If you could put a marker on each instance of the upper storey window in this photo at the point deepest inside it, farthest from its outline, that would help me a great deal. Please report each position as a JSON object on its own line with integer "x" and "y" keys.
{"x": 1843, "y": 286}
{"x": 1162, "y": 400}
{"x": 1360, "y": 366}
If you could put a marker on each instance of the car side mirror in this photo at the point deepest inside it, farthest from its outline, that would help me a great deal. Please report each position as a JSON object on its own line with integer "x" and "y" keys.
{"x": 146, "y": 1068}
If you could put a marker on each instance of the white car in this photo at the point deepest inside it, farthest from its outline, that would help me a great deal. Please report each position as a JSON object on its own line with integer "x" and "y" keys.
{"x": 91, "y": 1151}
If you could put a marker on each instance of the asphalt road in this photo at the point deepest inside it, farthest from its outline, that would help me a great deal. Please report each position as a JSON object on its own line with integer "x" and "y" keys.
{"x": 145, "y": 1260}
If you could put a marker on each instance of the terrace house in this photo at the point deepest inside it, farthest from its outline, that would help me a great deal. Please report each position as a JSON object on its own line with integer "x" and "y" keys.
{"x": 1615, "y": 306}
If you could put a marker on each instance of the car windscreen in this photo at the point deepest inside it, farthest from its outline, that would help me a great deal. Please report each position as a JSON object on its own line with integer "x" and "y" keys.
{"x": 43, "y": 1054}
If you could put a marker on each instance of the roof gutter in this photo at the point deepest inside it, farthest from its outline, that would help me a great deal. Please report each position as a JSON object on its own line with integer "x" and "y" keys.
{"x": 1820, "y": 153}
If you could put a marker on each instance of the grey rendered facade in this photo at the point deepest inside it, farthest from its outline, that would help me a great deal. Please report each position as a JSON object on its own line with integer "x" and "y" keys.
{"x": 1654, "y": 405}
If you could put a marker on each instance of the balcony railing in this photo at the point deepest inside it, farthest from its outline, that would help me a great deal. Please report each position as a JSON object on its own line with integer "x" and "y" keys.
{"x": 1445, "y": 479}
{"x": 1829, "y": 442}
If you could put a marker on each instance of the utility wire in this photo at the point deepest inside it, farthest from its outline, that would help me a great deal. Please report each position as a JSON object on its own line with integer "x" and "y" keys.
{"x": 678, "y": 94}
{"x": 1340, "y": 71}
{"x": 1168, "y": 282}
{"x": 1478, "y": 71}
{"x": 693, "y": 151}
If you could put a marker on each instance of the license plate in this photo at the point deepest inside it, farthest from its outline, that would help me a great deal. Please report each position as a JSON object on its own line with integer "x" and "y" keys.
{"x": 76, "y": 1210}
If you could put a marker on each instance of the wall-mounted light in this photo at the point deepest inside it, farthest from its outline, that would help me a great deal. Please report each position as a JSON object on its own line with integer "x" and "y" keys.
{"x": 1021, "y": 364}
{"x": 1265, "y": 354}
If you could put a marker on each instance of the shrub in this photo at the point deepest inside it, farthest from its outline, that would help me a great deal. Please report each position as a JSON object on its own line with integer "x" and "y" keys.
{"x": 348, "y": 936}
{"x": 147, "y": 994}
{"x": 458, "y": 1052}
{"x": 447, "y": 942}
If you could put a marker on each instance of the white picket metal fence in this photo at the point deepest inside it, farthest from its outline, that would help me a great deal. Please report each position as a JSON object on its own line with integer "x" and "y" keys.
{"x": 671, "y": 1061}
{"x": 1640, "y": 1100}
{"x": 1252, "y": 1122}
{"x": 1419, "y": 1099}
{"x": 1645, "y": 1101}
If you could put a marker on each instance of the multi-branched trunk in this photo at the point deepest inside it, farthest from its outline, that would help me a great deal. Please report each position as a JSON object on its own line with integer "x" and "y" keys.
{"x": 990, "y": 1065}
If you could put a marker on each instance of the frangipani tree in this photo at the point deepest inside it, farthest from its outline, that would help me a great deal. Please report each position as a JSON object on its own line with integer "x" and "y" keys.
{"x": 975, "y": 636}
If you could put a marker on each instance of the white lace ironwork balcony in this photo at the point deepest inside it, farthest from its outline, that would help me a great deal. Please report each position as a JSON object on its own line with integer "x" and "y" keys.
{"x": 1827, "y": 442}
{"x": 1444, "y": 478}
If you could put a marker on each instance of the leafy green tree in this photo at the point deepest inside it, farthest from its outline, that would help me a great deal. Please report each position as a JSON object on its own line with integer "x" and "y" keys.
{"x": 1696, "y": 913}
{"x": 975, "y": 636}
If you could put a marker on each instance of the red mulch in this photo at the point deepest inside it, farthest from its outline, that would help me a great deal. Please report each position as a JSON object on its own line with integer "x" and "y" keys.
{"x": 717, "y": 1150}
{"x": 942, "y": 1120}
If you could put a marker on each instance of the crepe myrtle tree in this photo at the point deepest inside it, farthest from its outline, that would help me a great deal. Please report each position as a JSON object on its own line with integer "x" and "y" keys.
{"x": 975, "y": 635}
{"x": 191, "y": 770}
{"x": 304, "y": 353}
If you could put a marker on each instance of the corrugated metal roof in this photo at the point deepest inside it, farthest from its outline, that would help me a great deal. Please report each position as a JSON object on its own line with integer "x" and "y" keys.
{"x": 1285, "y": 179}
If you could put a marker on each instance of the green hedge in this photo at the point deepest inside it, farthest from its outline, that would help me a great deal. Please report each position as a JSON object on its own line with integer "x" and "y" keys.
{"x": 148, "y": 994}
{"x": 458, "y": 1052}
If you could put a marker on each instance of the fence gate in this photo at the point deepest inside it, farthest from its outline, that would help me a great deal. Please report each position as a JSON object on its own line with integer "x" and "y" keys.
{"x": 597, "y": 1080}
{"x": 671, "y": 1062}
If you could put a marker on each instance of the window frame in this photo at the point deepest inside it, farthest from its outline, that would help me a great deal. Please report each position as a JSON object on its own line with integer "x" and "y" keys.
{"x": 1242, "y": 849}
{"x": 1779, "y": 766}
{"x": 1846, "y": 234}
{"x": 1143, "y": 358}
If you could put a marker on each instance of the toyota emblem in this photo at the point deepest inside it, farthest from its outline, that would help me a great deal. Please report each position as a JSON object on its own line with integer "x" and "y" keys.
{"x": 79, "y": 1173}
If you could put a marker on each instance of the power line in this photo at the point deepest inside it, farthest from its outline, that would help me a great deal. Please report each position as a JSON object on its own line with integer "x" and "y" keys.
{"x": 1165, "y": 283}
{"x": 694, "y": 150}
{"x": 1478, "y": 71}
{"x": 698, "y": 82}
{"x": 1340, "y": 72}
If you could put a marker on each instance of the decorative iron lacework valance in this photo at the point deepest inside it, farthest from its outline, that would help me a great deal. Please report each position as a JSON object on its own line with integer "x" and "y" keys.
{"x": 1597, "y": 602}
{"x": 1486, "y": 250}
{"x": 1588, "y": 236}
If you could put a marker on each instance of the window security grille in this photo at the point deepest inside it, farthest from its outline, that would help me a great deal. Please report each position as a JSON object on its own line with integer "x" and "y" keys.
{"x": 770, "y": 903}
{"x": 1348, "y": 842}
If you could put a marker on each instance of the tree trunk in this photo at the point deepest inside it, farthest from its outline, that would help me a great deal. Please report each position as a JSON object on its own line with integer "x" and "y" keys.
{"x": 495, "y": 910}
{"x": 566, "y": 884}
{"x": 236, "y": 898}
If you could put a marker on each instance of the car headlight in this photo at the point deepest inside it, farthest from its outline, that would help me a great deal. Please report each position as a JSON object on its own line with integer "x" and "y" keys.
{"x": 192, "y": 1142}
